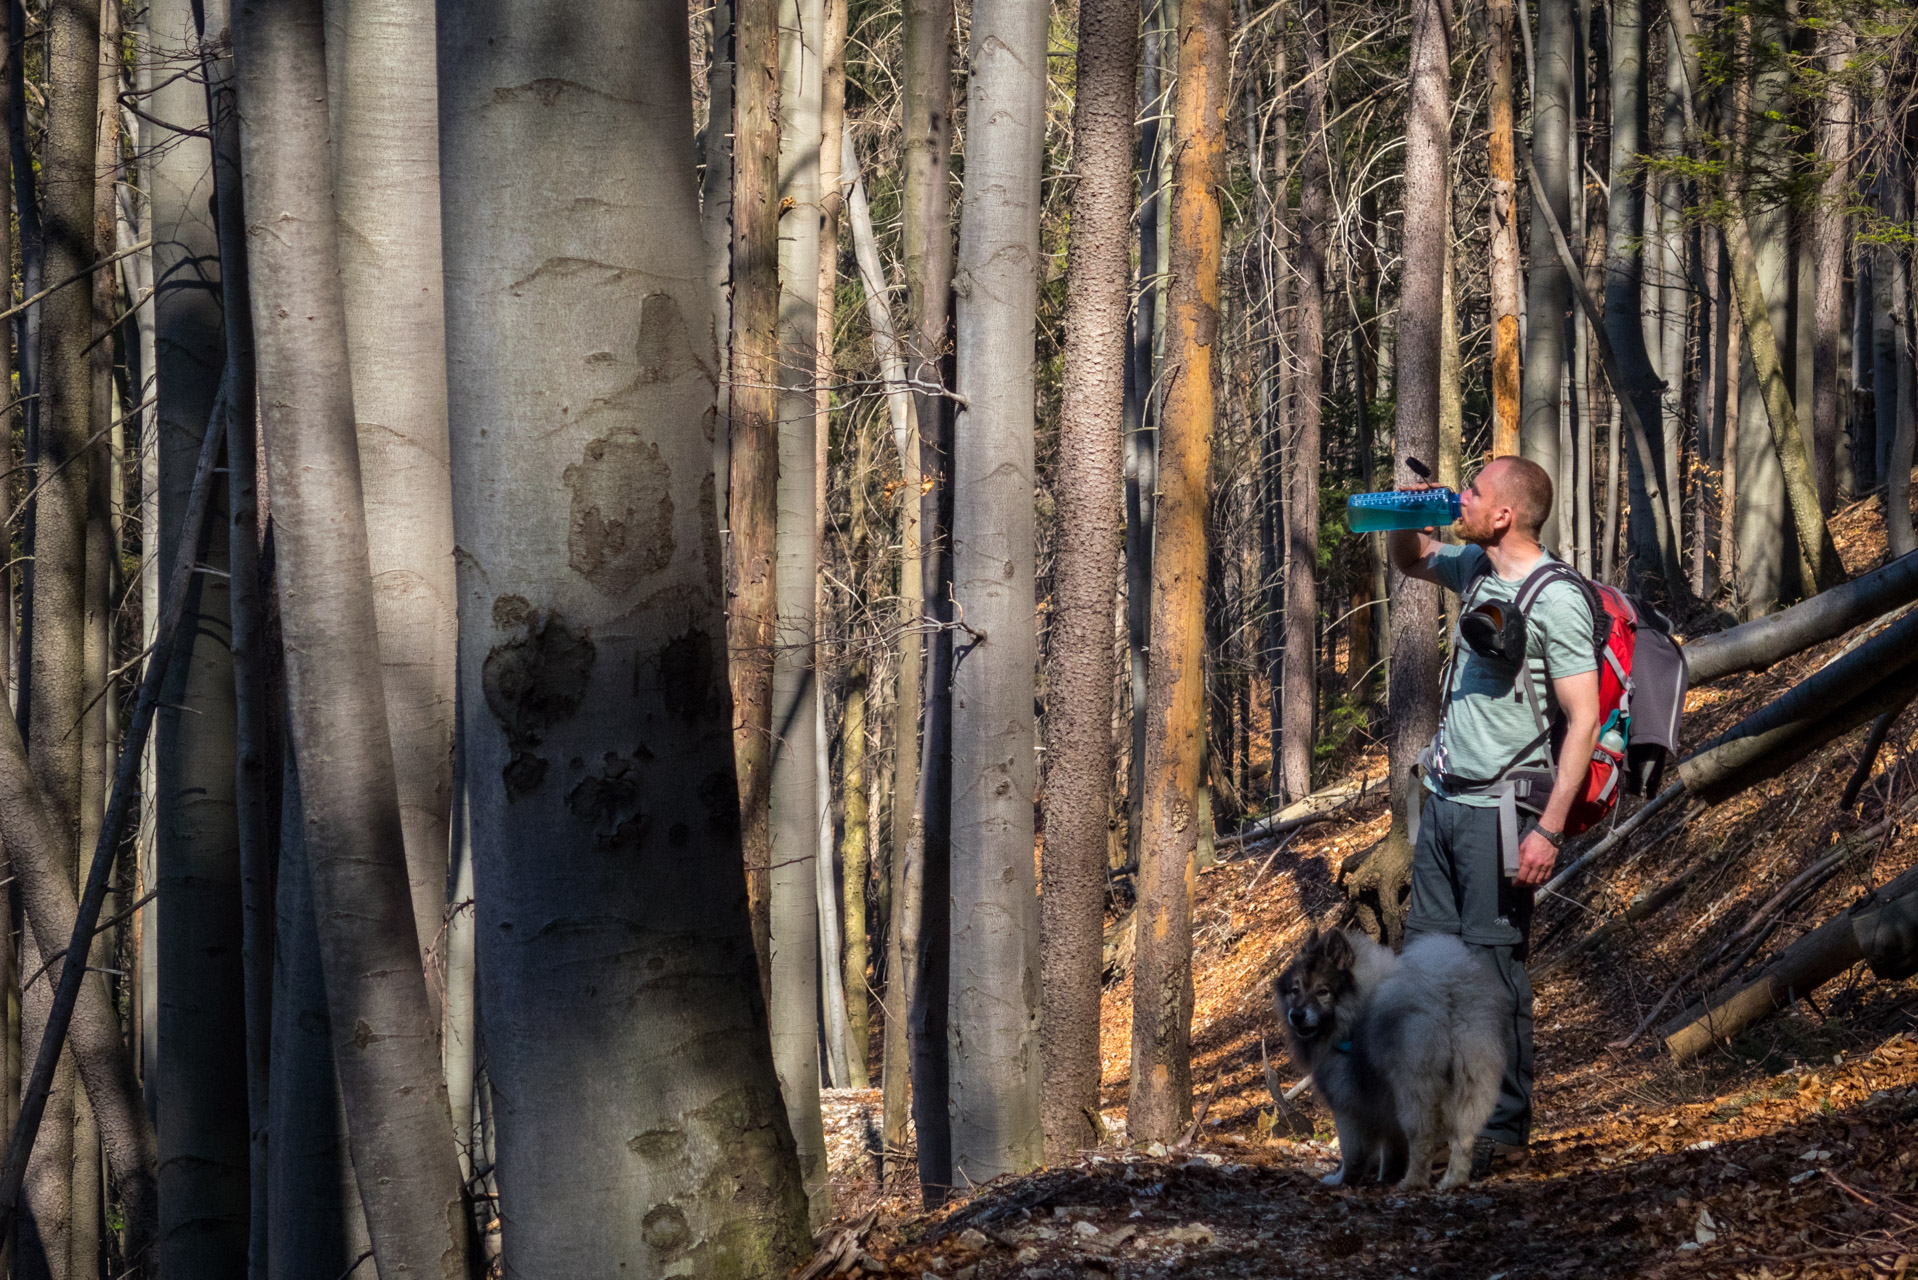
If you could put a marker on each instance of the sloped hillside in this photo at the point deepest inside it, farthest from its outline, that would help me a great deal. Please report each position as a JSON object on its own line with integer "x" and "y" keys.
{"x": 1791, "y": 1151}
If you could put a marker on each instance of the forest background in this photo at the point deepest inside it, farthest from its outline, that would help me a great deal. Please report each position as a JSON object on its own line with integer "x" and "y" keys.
{"x": 581, "y": 570}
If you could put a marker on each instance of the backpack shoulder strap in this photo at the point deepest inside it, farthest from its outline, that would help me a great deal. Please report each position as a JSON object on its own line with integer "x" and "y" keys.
{"x": 1545, "y": 575}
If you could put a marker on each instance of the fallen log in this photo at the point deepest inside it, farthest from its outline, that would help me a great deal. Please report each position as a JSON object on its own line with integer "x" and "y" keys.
{"x": 1879, "y": 674}
{"x": 1881, "y": 930}
{"x": 1316, "y": 807}
{"x": 1757, "y": 644}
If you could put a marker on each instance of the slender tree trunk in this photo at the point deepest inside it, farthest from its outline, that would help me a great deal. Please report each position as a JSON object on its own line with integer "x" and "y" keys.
{"x": 1276, "y": 377}
{"x": 1759, "y": 155}
{"x": 255, "y": 665}
{"x": 1814, "y": 538}
{"x": 1161, "y": 1102}
{"x": 1549, "y": 295}
{"x": 591, "y": 591}
{"x": 14, "y": 489}
{"x": 1086, "y": 482}
{"x": 895, "y": 1077}
{"x": 204, "y": 1143}
{"x": 386, "y": 175}
{"x": 1413, "y": 696}
{"x": 1505, "y": 275}
{"x": 1833, "y": 146}
{"x": 716, "y": 227}
{"x": 1141, "y": 427}
{"x": 1302, "y": 472}
{"x": 994, "y": 1007}
{"x": 924, "y": 911}
{"x": 57, "y": 693}
{"x": 752, "y": 405}
{"x": 318, "y": 1226}
{"x": 95, "y": 730}
{"x": 854, "y": 857}
{"x": 1413, "y": 693}
{"x": 385, "y": 1030}
{"x": 1651, "y": 533}
{"x": 794, "y": 1003}
{"x": 1892, "y": 362}
{"x": 832, "y": 120}
{"x": 1670, "y": 339}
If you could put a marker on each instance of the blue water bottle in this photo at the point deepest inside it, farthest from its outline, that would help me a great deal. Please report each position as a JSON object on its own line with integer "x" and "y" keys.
{"x": 1401, "y": 509}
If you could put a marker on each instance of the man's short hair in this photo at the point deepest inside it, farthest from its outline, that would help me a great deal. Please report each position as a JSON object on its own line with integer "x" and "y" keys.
{"x": 1527, "y": 489}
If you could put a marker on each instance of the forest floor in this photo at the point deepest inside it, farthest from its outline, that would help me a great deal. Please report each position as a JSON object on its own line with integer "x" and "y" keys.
{"x": 1792, "y": 1151}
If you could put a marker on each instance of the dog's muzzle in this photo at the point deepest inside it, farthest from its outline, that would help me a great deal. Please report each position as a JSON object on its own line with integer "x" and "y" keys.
{"x": 1303, "y": 1019}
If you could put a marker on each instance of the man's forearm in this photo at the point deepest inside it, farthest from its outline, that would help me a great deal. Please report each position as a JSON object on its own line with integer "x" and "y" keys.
{"x": 1574, "y": 762}
{"x": 1407, "y": 548}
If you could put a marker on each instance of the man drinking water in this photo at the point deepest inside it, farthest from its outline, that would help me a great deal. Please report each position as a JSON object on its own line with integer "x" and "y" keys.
{"x": 1489, "y": 830}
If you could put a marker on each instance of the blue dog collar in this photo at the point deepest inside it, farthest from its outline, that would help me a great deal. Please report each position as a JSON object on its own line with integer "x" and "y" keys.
{"x": 1344, "y": 1046}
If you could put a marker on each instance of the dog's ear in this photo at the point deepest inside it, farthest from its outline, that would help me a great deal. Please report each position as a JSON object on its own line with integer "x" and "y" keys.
{"x": 1338, "y": 950}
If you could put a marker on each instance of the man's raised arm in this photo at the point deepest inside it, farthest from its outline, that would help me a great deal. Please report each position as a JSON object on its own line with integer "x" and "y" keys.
{"x": 1411, "y": 552}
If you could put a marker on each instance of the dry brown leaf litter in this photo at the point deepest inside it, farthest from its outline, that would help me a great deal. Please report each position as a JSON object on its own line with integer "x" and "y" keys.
{"x": 1792, "y": 1152}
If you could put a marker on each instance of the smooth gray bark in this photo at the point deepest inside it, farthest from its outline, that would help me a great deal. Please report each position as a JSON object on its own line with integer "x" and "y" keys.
{"x": 1652, "y": 535}
{"x": 994, "y": 1002}
{"x": 386, "y": 180}
{"x": 1548, "y": 297}
{"x": 318, "y": 1228}
{"x": 1832, "y": 144}
{"x": 385, "y": 1033}
{"x": 1762, "y": 516}
{"x": 255, "y": 664}
{"x": 197, "y": 918}
{"x": 795, "y": 831}
{"x": 639, "y": 1126}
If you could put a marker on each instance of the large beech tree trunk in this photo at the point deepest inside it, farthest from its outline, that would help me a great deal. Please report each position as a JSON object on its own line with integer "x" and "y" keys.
{"x": 1079, "y": 693}
{"x": 385, "y": 1036}
{"x": 994, "y": 1007}
{"x": 640, "y": 1128}
{"x": 1161, "y": 1101}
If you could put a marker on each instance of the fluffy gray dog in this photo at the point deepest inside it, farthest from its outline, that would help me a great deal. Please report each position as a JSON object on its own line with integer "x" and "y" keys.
{"x": 1405, "y": 1050}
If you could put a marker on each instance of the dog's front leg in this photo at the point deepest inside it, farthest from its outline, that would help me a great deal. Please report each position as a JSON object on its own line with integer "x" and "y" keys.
{"x": 1355, "y": 1154}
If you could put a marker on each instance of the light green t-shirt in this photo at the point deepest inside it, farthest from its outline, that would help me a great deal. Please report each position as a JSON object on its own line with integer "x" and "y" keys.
{"x": 1485, "y": 719}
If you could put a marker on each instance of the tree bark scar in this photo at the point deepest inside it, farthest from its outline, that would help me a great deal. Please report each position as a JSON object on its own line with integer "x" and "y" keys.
{"x": 532, "y": 681}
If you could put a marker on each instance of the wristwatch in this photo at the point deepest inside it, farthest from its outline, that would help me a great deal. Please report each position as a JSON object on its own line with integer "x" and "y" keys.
{"x": 1554, "y": 838}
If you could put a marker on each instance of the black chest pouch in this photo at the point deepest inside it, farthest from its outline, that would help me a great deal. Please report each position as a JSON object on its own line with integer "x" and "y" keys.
{"x": 1495, "y": 631}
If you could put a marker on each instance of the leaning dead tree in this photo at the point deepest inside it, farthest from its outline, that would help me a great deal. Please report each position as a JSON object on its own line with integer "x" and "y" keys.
{"x": 1759, "y": 643}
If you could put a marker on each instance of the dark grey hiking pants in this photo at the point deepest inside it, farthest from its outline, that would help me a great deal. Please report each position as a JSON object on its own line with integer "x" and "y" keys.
{"x": 1459, "y": 888}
